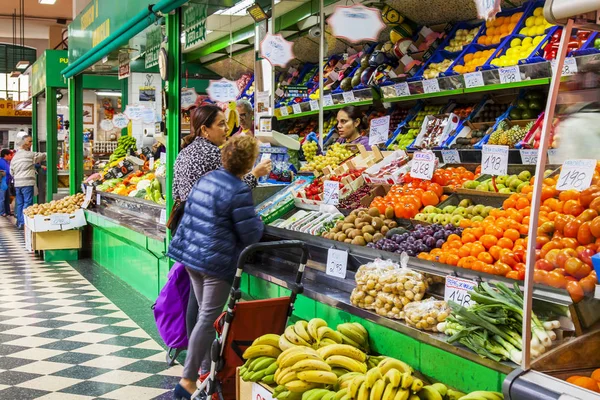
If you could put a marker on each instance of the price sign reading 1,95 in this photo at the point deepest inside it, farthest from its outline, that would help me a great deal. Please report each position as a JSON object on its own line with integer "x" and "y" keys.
{"x": 510, "y": 74}
{"x": 494, "y": 160}
{"x": 576, "y": 174}
{"x": 423, "y": 164}
{"x": 457, "y": 290}
{"x": 529, "y": 156}
{"x": 337, "y": 263}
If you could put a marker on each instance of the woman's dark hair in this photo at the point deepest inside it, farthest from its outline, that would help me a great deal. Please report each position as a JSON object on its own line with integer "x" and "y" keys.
{"x": 355, "y": 113}
{"x": 201, "y": 116}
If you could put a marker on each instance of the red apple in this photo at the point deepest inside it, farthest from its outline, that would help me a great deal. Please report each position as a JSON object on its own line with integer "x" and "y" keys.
{"x": 544, "y": 265}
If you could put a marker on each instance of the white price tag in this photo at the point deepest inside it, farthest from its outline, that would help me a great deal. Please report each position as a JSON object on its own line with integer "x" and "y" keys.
{"x": 422, "y": 165}
{"x": 553, "y": 157}
{"x": 163, "y": 217}
{"x": 457, "y": 290}
{"x": 402, "y": 89}
{"x": 151, "y": 163}
{"x": 473, "y": 79}
{"x": 260, "y": 393}
{"x": 337, "y": 263}
{"x": 88, "y": 197}
{"x": 450, "y": 157}
{"x": 296, "y": 108}
{"x": 529, "y": 156}
{"x": 265, "y": 156}
{"x": 327, "y": 100}
{"x": 331, "y": 192}
{"x": 284, "y": 111}
{"x": 59, "y": 219}
{"x": 379, "y": 130}
{"x": 314, "y": 105}
{"x": 494, "y": 160}
{"x": 431, "y": 86}
{"x": 510, "y": 74}
{"x": 98, "y": 199}
{"x": 349, "y": 97}
{"x": 576, "y": 174}
{"x": 163, "y": 158}
{"x": 569, "y": 66}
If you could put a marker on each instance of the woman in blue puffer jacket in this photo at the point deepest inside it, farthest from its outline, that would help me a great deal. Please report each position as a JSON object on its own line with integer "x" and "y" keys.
{"x": 218, "y": 222}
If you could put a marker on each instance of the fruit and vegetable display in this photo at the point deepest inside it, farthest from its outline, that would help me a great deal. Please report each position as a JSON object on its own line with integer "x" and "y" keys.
{"x": 454, "y": 214}
{"x": 493, "y": 327}
{"x": 66, "y": 205}
{"x": 404, "y": 139}
{"x": 311, "y": 222}
{"x": 435, "y": 69}
{"x": 497, "y": 29}
{"x": 124, "y": 144}
{"x": 310, "y": 148}
{"x": 461, "y": 38}
{"x": 490, "y": 112}
{"x": 335, "y": 155}
{"x": 470, "y": 140}
{"x": 363, "y": 226}
{"x": 528, "y": 107}
{"x": 417, "y": 121}
{"x": 502, "y": 183}
{"x": 452, "y": 177}
{"x": 421, "y": 239}
{"x": 535, "y": 24}
{"x": 425, "y": 315}
{"x": 314, "y": 191}
{"x": 435, "y": 131}
{"x": 471, "y": 61}
{"x": 312, "y": 361}
{"x": 352, "y": 201}
{"x": 405, "y": 201}
{"x": 397, "y": 116}
{"x": 520, "y": 49}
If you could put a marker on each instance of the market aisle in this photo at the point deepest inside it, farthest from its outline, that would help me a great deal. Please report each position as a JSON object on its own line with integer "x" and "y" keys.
{"x": 60, "y": 338}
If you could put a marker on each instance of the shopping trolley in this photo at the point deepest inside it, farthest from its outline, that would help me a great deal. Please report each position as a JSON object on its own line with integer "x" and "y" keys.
{"x": 241, "y": 323}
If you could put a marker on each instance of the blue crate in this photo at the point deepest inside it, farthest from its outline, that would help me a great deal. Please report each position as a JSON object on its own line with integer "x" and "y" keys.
{"x": 452, "y": 34}
{"x": 508, "y": 13}
{"x": 437, "y": 57}
{"x": 306, "y": 68}
{"x": 411, "y": 114}
{"x": 472, "y": 48}
{"x": 588, "y": 47}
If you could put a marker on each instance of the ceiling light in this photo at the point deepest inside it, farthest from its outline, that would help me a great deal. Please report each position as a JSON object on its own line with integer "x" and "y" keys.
{"x": 47, "y": 1}
{"x": 109, "y": 94}
{"x": 15, "y": 74}
{"x": 22, "y": 64}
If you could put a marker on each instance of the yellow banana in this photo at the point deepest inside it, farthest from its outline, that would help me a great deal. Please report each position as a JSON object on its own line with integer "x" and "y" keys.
{"x": 341, "y": 393}
{"x": 352, "y": 332}
{"x": 290, "y": 376}
{"x": 294, "y": 350}
{"x": 342, "y": 350}
{"x": 339, "y": 371}
{"x": 348, "y": 341}
{"x": 264, "y": 364}
{"x": 389, "y": 392}
{"x": 314, "y": 394}
{"x": 300, "y": 329}
{"x": 270, "y": 339}
{"x": 313, "y": 325}
{"x": 416, "y": 385}
{"x": 298, "y": 386}
{"x": 394, "y": 377}
{"x": 345, "y": 380}
{"x": 326, "y": 377}
{"x": 285, "y": 344}
{"x": 361, "y": 328}
{"x": 388, "y": 363}
{"x": 327, "y": 332}
{"x": 441, "y": 388}
{"x": 402, "y": 394}
{"x": 295, "y": 358}
{"x": 261, "y": 350}
{"x": 407, "y": 380}
{"x": 363, "y": 392}
{"x": 377, "y": 390}
{"x": 281, "y": 372}
{"x": 348, "y": 363}
{"x": 311, "y": 365}
{"x": 291, "y": 335}
{"x": 329, "y": 395}
{"x": 372, "y": 376}
{"x": 346, "y": 397}
{"x": 355, "y": 385}
{"x": 325, "y": 342}
{"x": 414, "y": 397}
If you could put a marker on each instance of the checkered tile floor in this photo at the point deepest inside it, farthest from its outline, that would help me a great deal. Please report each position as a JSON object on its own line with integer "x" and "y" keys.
{"x": 61, "y": 339}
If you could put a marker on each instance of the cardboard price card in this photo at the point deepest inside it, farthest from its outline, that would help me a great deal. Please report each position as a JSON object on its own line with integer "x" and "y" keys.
{"x": 422, "y": 165}
{"x": 337, "y": 263}
{"x": 379, "y": 130}
{"x": 474, "y": 79}
{"x": 450, "y": 157}
{"x": 331, "y": 193}
{"x": 529, "y": 156}
{"x": 402, "y": 89}
{"x": 457, "y": 290}
{"x": 510, "y": 74}
{"x": 576, "y": 174}
{"x": 494, "y": 160}
{"x": 431, "y": 86}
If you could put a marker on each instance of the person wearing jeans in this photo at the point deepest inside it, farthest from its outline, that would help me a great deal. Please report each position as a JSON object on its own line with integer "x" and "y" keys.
{"x": 5, "y": 179}
{"x": 24, "y": 175}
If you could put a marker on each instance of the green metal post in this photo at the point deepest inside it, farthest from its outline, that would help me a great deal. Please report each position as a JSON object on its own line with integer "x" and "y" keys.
{"x": 51, "y": 144}
{"x": 75, "y": 133}
{"x": 34, "y": 133}
{"x": 124, "y": 100}
{"x": 172, "y": 87}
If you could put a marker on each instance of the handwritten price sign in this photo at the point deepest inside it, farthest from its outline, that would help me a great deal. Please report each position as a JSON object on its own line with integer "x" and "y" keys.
{"x": 529, "y": 156}
{"x": 379, "y": 130}
{"x": 327, "y": 100}
{"x": 450, "y": 157}
{"x": 569, "y": 66}
{"x": 458, "y": 289}
{"x": 331, "y": 192}
{"x": 423, "y": 164}
{"x": 349, "y": 97}
{"x": 494, "y": 160}
{"x": 473, "y": 79}
{"x": 284, "y": 111}
{"x": 337, "y": 263}
{"x": 576, "y": 174}
{"x": 402, "y": 89}
{"x": 314, "y": 105}
{"x": 296, "y": 108}
{"x": 510, "y": 74}
{"x": 59, "y": 219}
{"x": 431, "y": 86}
{"x": 260, "y": 393}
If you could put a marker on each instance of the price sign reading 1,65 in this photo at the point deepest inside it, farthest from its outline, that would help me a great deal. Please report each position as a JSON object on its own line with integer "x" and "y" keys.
{"x": 494, "y": 160}
{"x": 576, "y": 174}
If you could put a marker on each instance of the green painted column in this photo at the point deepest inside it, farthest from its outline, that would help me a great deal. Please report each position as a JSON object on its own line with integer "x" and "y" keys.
{"x": 34, "y": 133}
{"x": 75, "y": 133}
{"x": 124, "y": 99}
{"x": 173, "y": 86}
{"x": 51, "y": 144}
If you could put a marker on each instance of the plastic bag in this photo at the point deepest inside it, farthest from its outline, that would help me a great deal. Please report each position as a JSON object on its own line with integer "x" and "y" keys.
{"x": 426, "y": 314}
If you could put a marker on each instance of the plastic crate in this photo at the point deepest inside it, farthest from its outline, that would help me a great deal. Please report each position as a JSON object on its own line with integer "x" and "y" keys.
{"x": 452, "y": 34}
{"x": 508, "y": 13}
{"x": 437, "y": 57}
{"x": 470, "y": 49}
{"x": 588, "y": 47}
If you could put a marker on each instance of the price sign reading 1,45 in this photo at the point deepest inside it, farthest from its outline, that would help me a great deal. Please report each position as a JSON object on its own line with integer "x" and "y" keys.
{"x": 576, "y": 174}
{"x": 423, "y": 164}
{"x": 494, "y": 160}
{"x": 458, "y": 289}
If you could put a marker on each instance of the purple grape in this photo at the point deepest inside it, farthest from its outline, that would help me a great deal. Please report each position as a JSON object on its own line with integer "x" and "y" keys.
{"x": 449, "y": 226}
{"x": 411, "y": 253}
{"x": 438, "y": 235}
{"x": 439, "y": 243}
{"x": 371, "y": 245}
{"x": 410, "y": 239}
{"x": 418, "y": 235}
{"x": 430, "y": 241}
{"x": 422, "y": 248}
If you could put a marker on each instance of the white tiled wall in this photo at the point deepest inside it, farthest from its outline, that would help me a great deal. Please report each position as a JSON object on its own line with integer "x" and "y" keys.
{"x": 137, "y": 81}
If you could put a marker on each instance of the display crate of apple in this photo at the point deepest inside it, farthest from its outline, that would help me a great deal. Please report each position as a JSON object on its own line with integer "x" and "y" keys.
{"x": 389, "y": 170}
{"x": 311, "y": 197}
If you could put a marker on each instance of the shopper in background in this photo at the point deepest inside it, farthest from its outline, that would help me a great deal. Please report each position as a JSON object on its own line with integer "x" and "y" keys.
{"x": 350, "y": 123}
{"x": 23, "y": 171}
{"x": 5, "y": 179}
{"x": 219, "y": 221}
{"x": 246, "y": 113}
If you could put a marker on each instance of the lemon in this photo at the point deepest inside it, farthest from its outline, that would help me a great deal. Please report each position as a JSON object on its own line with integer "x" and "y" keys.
{"x": 524, "y": 32}
{"x": 537, "y": 40}
{"x": 529, "y": 22}
{"x": 511, "y": 51}
{"x": 515, "y": 42}
{"x": 527, "y": 42}
{"x": 540, "y": 21}
{"x": 538, "y": 11}
{"x": 539, "y": 30}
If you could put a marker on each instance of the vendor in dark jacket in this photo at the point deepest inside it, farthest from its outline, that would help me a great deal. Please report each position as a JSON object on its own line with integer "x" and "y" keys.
{"x": 219, "y": 221}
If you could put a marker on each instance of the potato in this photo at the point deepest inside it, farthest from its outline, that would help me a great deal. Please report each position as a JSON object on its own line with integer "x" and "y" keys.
{"x": 348, "y": 241}
{"x": 341, "y": 237}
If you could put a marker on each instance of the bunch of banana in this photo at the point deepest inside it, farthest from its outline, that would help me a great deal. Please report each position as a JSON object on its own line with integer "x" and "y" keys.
{"x": 383, "y": 384}
{"x": 314, "y": 333}
{"x": 355, "y": 335}
{"x": 479, "y": 395}
{"x": 264, "y": 346}
{"x": 259, "y": 369}
{"x": 322, "y": 394}
{"x": 345, "y": 380}
{"x": 123, "y": 144}
{"x": 301, "y": 368}
{"x": 373, "y": 361}
{"x": 345, "y": 357}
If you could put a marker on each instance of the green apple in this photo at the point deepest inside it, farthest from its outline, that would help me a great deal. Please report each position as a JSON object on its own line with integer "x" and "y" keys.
{"x": 421, "y": 217}
{"x": 449, "y": 209}
{"x": 505, "y": 190}
{"x": 438, "y": 218}
{"x": 500, "y": 186}
{"x": 477, "y": 218}
{"x": 431, "y": 217}
{"x": 445, "y": 220}
{"x": 478, "y": 209}
{"x": 515, "y": 184}
{"x": 465, "y": 203}
{"x": 486, "y": 211}
{"x": 429, "y": 209}
{"x": 501, "y": 179}
{"x": 521, "y": 186}
{"x": 482, "y": 188}
{"x": 455, "y": 220}
{"x": 491, "y": 187}
{"x": 547, "y": 172}
{"x": 525, "y": 176}
{"x": 460, "y": 211}
{"x": 470, "y": 184}
{"x": 470, "y": 210}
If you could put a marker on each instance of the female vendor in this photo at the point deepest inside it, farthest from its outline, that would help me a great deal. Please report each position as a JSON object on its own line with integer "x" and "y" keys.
{"x": 349, "y": 125}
